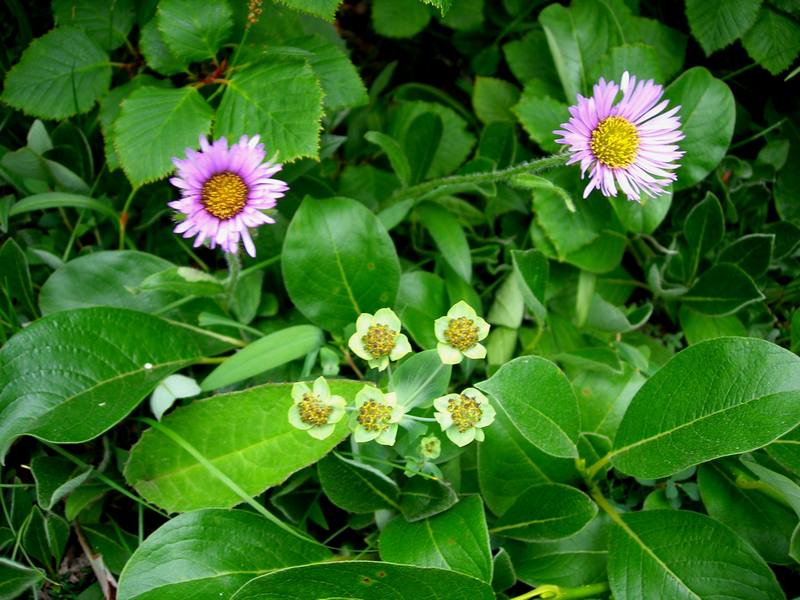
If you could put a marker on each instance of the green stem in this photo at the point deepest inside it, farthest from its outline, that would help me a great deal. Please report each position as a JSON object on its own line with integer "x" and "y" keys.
{"x": 758, "y": 135}
{"x": 260, "y": 265}
{"x": 123, "y": 217}
{"x": 532, "y": 166}
{"x": 554, "y": 592}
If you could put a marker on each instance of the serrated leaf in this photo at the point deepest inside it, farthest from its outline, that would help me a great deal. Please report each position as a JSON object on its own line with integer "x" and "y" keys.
{"x": 159, "y": 57}
{"x": 211, "y": 553}
{"x": 60, "y": 74}
{"x": 106, "y": 23}
{"x": 155, "y": 125}
{"x": 773, "y": 41}
{"x": 75, "y": 374}
{"x": 250, "y": 427}
{"x": 194, "y": 31}
{"x": 703, "y": 404}
{"x": 540, "y": 116}
{"x": 493, "y": 98}
{"x": 281, "y": 100}
{"x": 324, "y": 9}
{"x": 717, "y": 24}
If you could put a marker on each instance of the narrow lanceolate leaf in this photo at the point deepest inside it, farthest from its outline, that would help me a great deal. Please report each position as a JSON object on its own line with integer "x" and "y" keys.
{"x": 280, "y": 99}
{"x": 264, "y": 354}
{"x": 539, "y": 401}
{"x": 73, "y": 375}
{"x": 549, "y": 511}
{"x": 61, "y": 74}
{"x": 456, "y": 539}
{"x": 211, "y": 554}
{"x": 194, "y": 30}
{"x": 155, "y": 125}
{"x": 704, "y": 404}
{"x": 48, "y": 200}
{"x": 338, "y": 261}
{"x": 682, "y": 555}
{"x": 365, "y": 580}
{"x": 249, "y": 428}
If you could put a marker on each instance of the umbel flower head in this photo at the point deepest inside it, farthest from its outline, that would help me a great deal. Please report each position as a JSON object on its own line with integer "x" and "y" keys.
{"x": 462, "y": 416}
{"x": 459, "y": 334}
{"x": 224, "y": 190}
{"x": 315, "y": 410}
{"x": 376, "y": 417}
{"x": 378, "y": 339}
{"x": 631, "y": 143}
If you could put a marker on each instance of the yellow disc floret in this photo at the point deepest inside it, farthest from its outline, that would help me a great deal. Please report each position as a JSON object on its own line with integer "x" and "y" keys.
{"x": 466, "y": 412}
{"x": 313, "y": 411}
{"x": 374, "y": 416}
{"x": 461, "y": 333}
{"x": 615, "y": 142}
{"x": 224, "y": 195}
{"x": 379, "y": 341}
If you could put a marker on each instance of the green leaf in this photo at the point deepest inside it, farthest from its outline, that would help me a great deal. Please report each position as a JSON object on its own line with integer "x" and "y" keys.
{"x": 641, "y": 59}
{"x": 395, "y": 154}
{"x": 722, "y": 290}
{"x": 707, "y": 115}
{"x": 45, "y": 537}
{"x": 703, "y": 229}
{"x": 76, "y": 373}
{"x": 549, "y": 511}
{"x": 443, "y": 5}
{"x": 421, "y": 300}
{"x": 773, "y": 41}
{"x": 558, "y": 26}
{"x": 423, "y": 498}
{"x": 155, "y": 125}
{"x": 518, "y": 55}
{"x": 55, "y": 478}
{"x": 570, "y": 562}
{"x": 786, "y": 451}
{"x": 194, "y": 31}
{"x": 752, "y": 253}
{"x": 62, "y": 73}
{"x": 324, "y": 9}
{"x": 365, "y": 580}
{"x": 698, "y": 327}
{"x": 270, "y": 351}
{"x": 15, "y": 275}
{"x": 532, "y": 271}
{"x": 508, "y": 307}
{"x": 422, "y": 139}
{"x": 549, "y": 419}
{"x": 112, "y": 543}
{"x": 106, "y": 23}
{"x": 281, "y": 100}
{"x": 211, "y": 553}
{"x": 492, "y": 99}
{"x": 787, "y": 489}
{"x": 419, "y": 379}
{"x": 604, "y": 397}
{"x": 718, "y": 24}
{"x": 464, "y": 15}
{"x": 250, "y": 427}
{"x": 338, "y": 261}
{"x": 158, "y": 55}
{"x": 184, "y": 281}
{"x": 16, "y": 578}
{"x": 456, "y": 539}
{"x": 540, "y": 116}
{"x": 48, "y": 200}
{"x": 399, "y": 18}
{"x": 644, "y": 216}
{"x": 449, "y": 237}
{"x": 763, "y": 522}
{"x": 356, "y": 487}
{"x": 105, "y": 278}
{"x": 701, "y": 406}
{"x": 659, "y": 554}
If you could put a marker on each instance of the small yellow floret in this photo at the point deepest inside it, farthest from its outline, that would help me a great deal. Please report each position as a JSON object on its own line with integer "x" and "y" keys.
{"x": 615, "y": 142}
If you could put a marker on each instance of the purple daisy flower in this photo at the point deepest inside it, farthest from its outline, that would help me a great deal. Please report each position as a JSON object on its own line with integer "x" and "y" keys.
{"x": 631, "y": 143}
{"x": 224, "y": 190}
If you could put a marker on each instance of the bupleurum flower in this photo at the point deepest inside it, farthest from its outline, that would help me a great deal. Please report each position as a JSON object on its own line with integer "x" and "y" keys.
{"x": 315, "y": 410}
{"x": 376, "y": 417}
{"x": 459, "y": 334}
{"x": 224, "y": 191}
{"x": 378, "y": 339}
{"x": 462, "y": 416}
{"x": 631, "y": 143}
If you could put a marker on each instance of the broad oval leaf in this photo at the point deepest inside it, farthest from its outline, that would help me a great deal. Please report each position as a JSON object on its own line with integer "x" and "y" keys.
{"x": 210, "y": 554}
{"x": 365, "y": 580}
{"x": 356, "y": 487}
{"x": 233, "y": 432}
{"x": 338, "y": 261}
{"x": 456, "y": 539}
{"x": 264, "y": 354}
{"x": 682, "y": 555}
{"x": 420, "y": 379}
{"x": 73, "y": 375}
{"x": 549, "y": 511}
{"x": 539, "y": 401}
{"x": 705, "y": 403}
{"x": 722, "y": 290}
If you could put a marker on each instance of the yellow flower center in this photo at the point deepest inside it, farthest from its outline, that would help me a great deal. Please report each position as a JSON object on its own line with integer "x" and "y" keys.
{"x": 615, "y": 142}
{"x": 313, "y": 411}
{"x": 224, "y": 195}
{"x": 466, "y": 412}
{"x": 379, "y": 341}
{"x": 374, "y": 416}
{"x": 461, "y": 333}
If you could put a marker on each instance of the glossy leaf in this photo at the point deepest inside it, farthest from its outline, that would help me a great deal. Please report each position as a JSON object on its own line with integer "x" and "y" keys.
{"x": 420, "y": 378}
{"x": 702, "y": 405}
{"x": 354, "y": 486}
{"x": 76, "y": 373}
